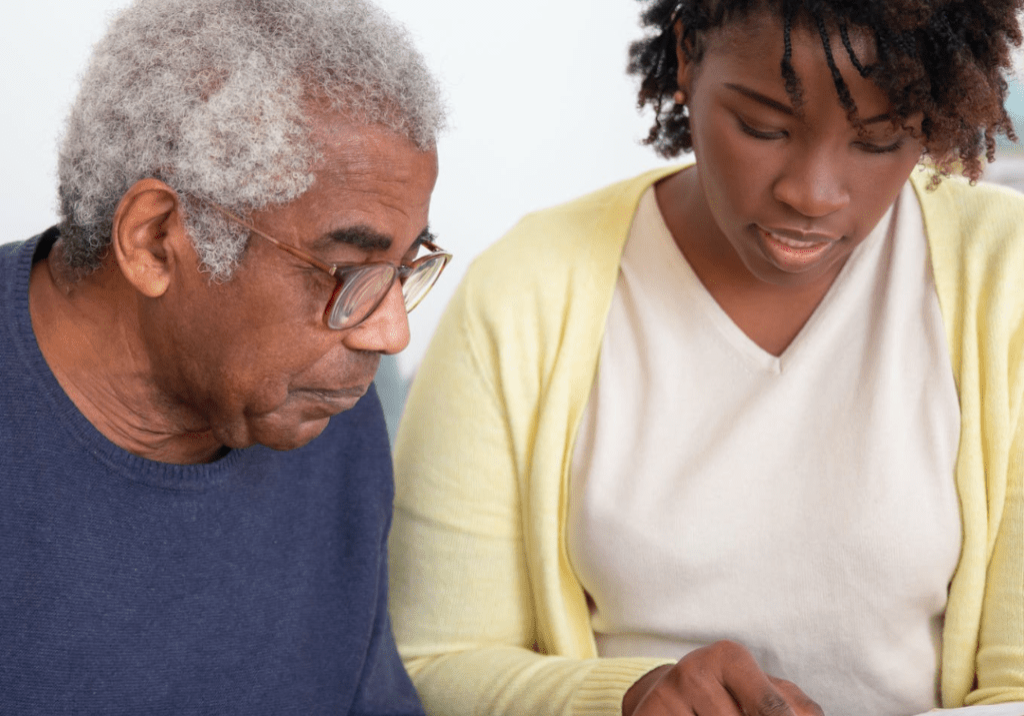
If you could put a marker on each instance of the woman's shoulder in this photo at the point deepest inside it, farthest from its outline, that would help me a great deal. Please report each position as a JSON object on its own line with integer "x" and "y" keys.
{"x": 964, "y": 217}
{"x": 596, "y": 221}
{"x": 976, "y": 241}
{"x": 553, "y": 258}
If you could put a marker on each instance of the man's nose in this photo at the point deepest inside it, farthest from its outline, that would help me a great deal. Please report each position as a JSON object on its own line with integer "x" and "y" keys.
{"x": 814, "y": 184}
{"x": 386, "y": 330}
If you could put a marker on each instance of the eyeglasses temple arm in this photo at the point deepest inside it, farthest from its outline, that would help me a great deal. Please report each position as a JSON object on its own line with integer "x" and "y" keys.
{"x": 298, "y": 253}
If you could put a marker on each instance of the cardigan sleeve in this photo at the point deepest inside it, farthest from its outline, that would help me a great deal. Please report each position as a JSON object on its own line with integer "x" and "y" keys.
{"x": 465, "y": 611}
{"x": 998, "y": 352}
{"x": 977, "y": 246}
{"x": 1000, "y": 659}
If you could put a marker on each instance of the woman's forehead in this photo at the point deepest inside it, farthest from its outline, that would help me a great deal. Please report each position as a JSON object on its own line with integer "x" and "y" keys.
{"x": 747, "y": 57}
{"x": 752, "y": 34}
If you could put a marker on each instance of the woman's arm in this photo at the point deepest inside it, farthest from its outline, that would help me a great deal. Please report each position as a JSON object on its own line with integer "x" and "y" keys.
{"x": 1000, "y": 657}
{"x": 462, "y": 599}
{"x": 976, "y": 241}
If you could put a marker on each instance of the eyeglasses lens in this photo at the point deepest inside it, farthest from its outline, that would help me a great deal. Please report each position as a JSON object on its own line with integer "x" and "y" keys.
{"x": 363, "y": 289}
{"x": 420, "y": 280}
{"x": 360, "y": 295}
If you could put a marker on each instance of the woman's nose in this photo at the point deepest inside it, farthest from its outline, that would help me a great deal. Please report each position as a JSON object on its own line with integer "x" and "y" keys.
{"x": 814, "y": 185}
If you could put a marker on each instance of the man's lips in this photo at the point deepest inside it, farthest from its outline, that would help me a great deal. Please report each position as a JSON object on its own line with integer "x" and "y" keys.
{"x": 332, "y": 401}
{"x": 323, "y": 391}
{"x": 338, "y": 395}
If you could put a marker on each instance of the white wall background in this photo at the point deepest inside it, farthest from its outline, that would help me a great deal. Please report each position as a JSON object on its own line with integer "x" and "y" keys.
{"x": 541, "y": 111}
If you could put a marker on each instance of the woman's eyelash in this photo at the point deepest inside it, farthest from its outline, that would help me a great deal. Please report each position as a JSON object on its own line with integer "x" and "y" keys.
{"x": 866, "y": 146}
{"x": 757, "y": 133}
{"x": 884, "y": 149}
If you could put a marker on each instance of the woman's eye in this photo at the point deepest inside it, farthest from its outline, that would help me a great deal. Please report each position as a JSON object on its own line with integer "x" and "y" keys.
{"x": 760, "y": 133}
{"x": 873, "y": 148}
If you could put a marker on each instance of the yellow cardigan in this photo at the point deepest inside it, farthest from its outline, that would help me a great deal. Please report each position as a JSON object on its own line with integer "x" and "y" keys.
{"x": 488, "y": 614}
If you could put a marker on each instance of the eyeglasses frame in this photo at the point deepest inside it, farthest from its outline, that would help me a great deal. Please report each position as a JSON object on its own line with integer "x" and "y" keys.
{"x": 339, "y": 271}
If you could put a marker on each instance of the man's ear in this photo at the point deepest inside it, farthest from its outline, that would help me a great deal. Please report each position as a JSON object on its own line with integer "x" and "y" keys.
{"x": 147, "y": 234}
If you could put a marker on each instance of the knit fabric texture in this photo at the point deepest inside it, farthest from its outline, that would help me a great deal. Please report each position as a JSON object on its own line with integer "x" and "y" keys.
{"x": 252, "y": 585}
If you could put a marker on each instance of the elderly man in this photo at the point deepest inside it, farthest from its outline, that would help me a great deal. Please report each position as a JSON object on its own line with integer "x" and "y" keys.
{"x": 195, "y": 481}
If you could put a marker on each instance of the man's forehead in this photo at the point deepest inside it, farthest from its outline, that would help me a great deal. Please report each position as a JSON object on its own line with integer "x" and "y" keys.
{"x": 341, "y": 132}
{"x": 371, "y": 188}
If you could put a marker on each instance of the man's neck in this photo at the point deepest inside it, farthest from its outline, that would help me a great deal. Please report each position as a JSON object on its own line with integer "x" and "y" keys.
{"x": 87, "y": 330}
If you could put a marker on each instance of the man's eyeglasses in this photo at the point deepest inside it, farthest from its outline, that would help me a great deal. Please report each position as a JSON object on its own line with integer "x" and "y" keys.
{"x": 361, "y": 288}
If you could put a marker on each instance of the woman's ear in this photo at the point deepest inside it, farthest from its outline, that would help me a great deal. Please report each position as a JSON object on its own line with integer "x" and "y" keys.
{"x": 684, "y": 75}
{"x": 147, "y": 232}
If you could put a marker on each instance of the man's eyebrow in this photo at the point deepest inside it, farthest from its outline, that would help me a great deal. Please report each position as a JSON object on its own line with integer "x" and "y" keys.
{"x": 360, "y": 236}
{"x": 425, "y": 235}
{"x": 786, "y": 109}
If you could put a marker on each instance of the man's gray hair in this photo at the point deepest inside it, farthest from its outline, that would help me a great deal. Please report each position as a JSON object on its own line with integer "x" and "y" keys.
{"x": 210, "y": 96}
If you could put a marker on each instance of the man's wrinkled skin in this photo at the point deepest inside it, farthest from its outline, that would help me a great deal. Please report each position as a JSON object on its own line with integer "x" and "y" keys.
{"x": 174, "y": 367}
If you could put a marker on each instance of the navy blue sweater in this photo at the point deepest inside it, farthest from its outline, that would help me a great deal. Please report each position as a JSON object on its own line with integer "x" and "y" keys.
{"x": 252, "y": 585}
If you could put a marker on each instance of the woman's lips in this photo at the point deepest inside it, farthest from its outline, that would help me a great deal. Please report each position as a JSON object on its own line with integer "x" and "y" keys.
{"x": 793, "y": 254}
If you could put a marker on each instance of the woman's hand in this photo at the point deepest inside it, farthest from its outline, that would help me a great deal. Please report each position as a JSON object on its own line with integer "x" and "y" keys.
{"x": 721, "y": 679}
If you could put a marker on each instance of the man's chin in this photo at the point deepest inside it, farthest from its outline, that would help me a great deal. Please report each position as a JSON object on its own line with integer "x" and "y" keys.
{"x": 294, "y": 423}
{"x": 277, "y": 434}
{"x": 302, "y": 434}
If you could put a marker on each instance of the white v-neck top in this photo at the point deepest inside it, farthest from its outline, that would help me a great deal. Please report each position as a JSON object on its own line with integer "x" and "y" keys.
{"x": 802, "y": 505}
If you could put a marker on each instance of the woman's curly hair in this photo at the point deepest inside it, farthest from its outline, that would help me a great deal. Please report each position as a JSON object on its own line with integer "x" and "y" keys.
{"x": 943, "y": 58}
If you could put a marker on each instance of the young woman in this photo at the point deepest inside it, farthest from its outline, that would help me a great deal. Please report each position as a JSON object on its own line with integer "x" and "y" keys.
{"x": 745, "y": 436}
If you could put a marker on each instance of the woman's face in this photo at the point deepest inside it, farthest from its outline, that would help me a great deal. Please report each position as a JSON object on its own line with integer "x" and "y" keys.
{"x": 792, "y": 193}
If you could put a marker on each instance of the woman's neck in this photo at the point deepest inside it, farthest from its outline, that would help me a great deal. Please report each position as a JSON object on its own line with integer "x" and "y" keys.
{"x": 770, "y": 315}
